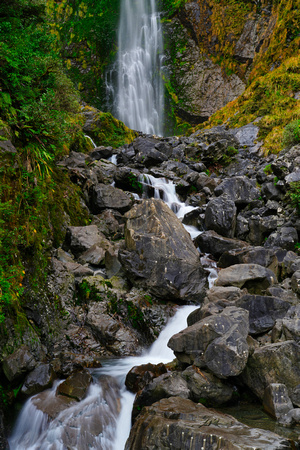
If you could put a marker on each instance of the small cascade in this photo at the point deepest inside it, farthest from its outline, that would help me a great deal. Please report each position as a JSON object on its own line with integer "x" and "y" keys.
{"x": 166, "y": 191}
{"x": 139, "y": 96}
{"x": 113, "y": 159}
{"x": 91, "y": 140}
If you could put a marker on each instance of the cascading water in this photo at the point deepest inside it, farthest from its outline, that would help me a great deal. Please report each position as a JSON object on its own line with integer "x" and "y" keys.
{"x": 139, "y": 96}
{"x": 96, "y": 422}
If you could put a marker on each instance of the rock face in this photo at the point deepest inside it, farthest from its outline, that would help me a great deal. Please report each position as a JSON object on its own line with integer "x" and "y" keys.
{"x": 176, "y": 423}
{"x": 159, "y": 253}
{"x": 217, "y": 342}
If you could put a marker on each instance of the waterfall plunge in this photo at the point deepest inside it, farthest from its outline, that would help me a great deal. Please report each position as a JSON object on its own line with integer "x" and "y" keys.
{"x": 139, "y": 100}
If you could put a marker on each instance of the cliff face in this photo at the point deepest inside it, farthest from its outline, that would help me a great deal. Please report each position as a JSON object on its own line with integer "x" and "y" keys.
{"x": 211, "y": 51}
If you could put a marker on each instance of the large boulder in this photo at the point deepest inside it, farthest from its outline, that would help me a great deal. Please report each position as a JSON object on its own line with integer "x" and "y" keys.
{"x": 212, "y": 242}
{"x": 274, "y": 363}
{"x": 103, "y": 196}
{"x": 263, "y": 311}
{"x": 220, "y": 216}
{"x": 39, "y": 379}
{"x": 177, "y": 423}
{"x": 16, "y": 365}
{"x": 239, "y": 189}
{"x": 139, "y": 376}
{"x": 250, "y": 255}
{"x": 160, "y": 254}
{"x": 217, "y": 342}
{"x": 253, "y": 277}
{"x": 76, "y": 385}
{"x": 85, "y": 240}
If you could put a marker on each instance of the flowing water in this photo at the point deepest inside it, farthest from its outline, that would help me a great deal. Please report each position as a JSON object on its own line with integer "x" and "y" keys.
{"x": 97, "y": 422}
{"x": 138, "y": 97}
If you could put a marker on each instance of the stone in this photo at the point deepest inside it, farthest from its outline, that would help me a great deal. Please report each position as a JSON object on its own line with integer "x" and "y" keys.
{"x": 165, "y": 386}
{"x": 39, "y": 379}
{"x": 250, "y": 255}
{"x": 271, "y": 192}
{"x": 75, "y": 386}
{"x": 217, "y": 342}
{"x": 15, "y": 366}
{"x": 103, "y": 196}
{"x": 239, "y": 189}
{"x": 206, "y": 388}
{"x": 101, "y": 152}
{"x": 291, "y": 324}
{"x": 7, "y": 147}
{"x": 276, "y": 400}
{"x": 295, "y": 282}
{"x": 273, "y": 363}
{"x": 224, "y": 293}
{"x": 263, "y": 311}
{"x": 160, "y": 255}
{"x": 80, "y": 239}
{"x": 261, "y": 227}
{"x": 220, "y": 216}
{"x": 211, "y": 242}
{"x": 284, "y": 237}
{"x": 255, "y": 278}
{"x": 94, "y": 255}
{"x": 177, "y": 423}
{"x": 139, "y": 376}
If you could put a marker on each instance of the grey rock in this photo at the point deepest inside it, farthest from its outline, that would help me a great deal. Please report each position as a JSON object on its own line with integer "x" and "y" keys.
{"x": 160, "y": 254}
{"x": 15, "y": 366}
{"x": 211, "y": 242}
{"x": 39, "y": 379}
{"x": 284, "y": 237}
{"x": 250, "y": 255}
{"x": 80, "y": 239}
{"x": 271, "y": 192}
{"x": 220, "y": 216}
{"x": 75, "y": 386}
{"x": 276, "y": 400}
{"x": 217, "y": 342}
{"x": 239, "y": 189}
{"x": 7, "y": 147}
{"x": 263, "y": 311}
{"x": 104, "y": 196}
{"x": 273, "y": 363}
{"x": 173, "y": 423}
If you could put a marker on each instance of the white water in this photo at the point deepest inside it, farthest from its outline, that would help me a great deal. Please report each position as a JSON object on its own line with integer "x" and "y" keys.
{"x": 139, "y": 97}
{"x": 94, "y": 423}
{"x": 166, "y": 191}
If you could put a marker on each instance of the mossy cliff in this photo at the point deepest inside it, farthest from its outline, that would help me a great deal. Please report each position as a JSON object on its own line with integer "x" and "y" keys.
{"x": 229, "y": 46}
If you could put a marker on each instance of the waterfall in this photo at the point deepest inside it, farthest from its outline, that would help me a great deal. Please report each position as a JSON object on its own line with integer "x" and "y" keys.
{"x": 139, "y": 97}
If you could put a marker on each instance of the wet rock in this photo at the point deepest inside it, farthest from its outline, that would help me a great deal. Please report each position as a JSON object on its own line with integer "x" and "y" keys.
{"x": 274, "y": 363}
{"x": 276, "y": 400}
{"x": 101, "y": 152}
{"x": 220, "y": 216}
{"x": 104, "y": 196}
{"x": 217, "y": 342}
{"x": 206, "y": 388}
{"x": 160, "y": 255}
{"x": 139, "y": 376}
{"x": 211, "y": 242}
{"x": 255, "y": 278}
{"x": 80, "y": 239}
{"x": 239, "y": 189}
{"x": 15, "y": 366}
{"x": 38, "y": 380}
{"x": 284, "y": 237}
{"x": 147, "y": 153}
{"x": 251, "y": 255}
{"x": 263, "y": 311}
{"x": 75, "y": 386}
{"x": 165, "y": 386}
{"x": 175, "y": 423}
{"x": 291, "y": 418}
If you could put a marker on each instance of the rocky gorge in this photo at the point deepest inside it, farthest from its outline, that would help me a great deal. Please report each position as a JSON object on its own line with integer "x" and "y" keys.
{"x": 115, "y": 282}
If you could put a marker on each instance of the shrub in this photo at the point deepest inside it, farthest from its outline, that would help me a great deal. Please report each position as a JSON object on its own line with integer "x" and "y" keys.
{"x": 291, "y": 134}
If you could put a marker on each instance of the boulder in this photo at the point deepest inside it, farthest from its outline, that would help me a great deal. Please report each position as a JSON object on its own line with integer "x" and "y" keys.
{"x": 103, "y": 196}
{"x": 39, "y": 379}
{"x": 206, "y": 388}
{"x": 276, "y": 400}
{"x": 291, "y": 324}
{"x": 255, "y": 278}
{"x": 15, "y": 366}
{"x": 160, "y": 255}
{"x": 139, "y": 376}
{"x": 81, "y": 239}
{"x": 239, "y": 189}
{"x": 274, "y": 363}
{"x": 211, "y": 242}
{"x": 295, "y": 282}
{"x": 250, "y": 255}
{"x": 177, "y": 423}
{"x": 147, "y": 152}
{"x": 220, "y": 216}
{"x": 263, "y": 311}
{"x": 165, "y": 386}
{"x": 75, "y": 386}
{"x": 217, "y": 342}
{"x": 284, "y": 237}
{"x": 260, "y": 227}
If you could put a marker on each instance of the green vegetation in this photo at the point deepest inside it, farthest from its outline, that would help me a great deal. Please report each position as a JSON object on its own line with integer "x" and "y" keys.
{"x": 291, "y": 134}
{"x": 293, "y": 195}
